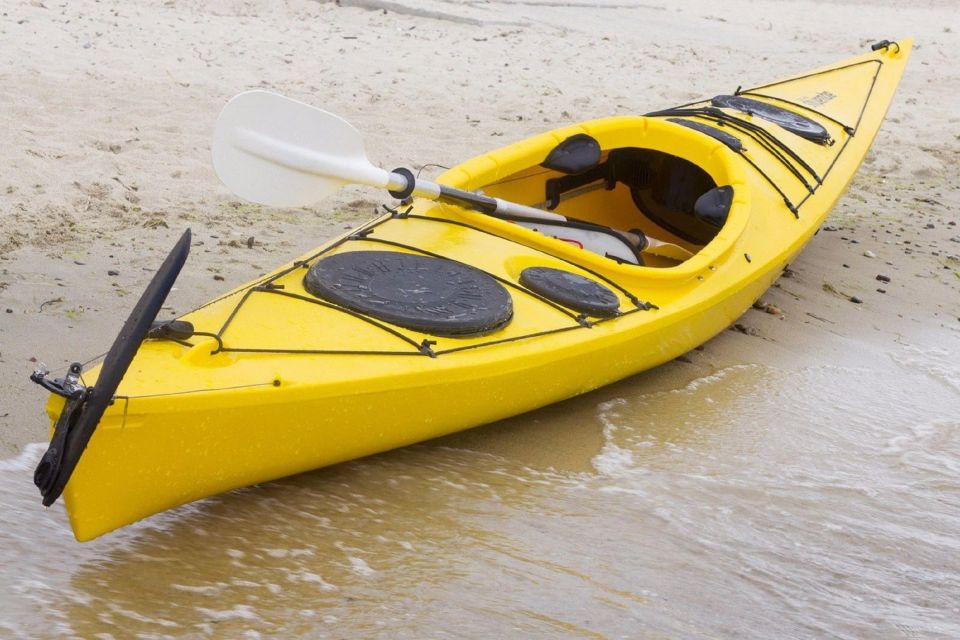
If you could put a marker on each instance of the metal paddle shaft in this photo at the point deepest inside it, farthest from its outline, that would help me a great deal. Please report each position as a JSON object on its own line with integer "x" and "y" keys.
{"x": 280, "y": 152}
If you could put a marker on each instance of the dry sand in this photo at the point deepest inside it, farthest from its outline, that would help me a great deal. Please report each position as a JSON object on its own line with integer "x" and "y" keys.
{"x": 107, "y": 110}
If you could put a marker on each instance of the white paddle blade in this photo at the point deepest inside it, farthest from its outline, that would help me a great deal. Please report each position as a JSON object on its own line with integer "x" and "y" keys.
{"x": 280, "y": 152}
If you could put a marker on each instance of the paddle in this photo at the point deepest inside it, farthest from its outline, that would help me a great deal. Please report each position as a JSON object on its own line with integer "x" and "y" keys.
{"x": 280, "y": 152}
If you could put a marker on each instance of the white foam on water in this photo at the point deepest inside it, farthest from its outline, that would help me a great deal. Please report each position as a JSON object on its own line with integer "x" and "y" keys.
{"x": 311, "y": 578}
{"x": 713, "y": 378}
{"x": 618, "y": 454}
{"x": 917, "y": 436}
{"x": 237, "y": 612}
{"x": 26, "y": 460}
{"x": 139, "y": 617}
{"x": 203, "y": 590}
{"x": 360, "y": 567}
{"x": 612, "y": 458}
{"x": 939, "y": 363}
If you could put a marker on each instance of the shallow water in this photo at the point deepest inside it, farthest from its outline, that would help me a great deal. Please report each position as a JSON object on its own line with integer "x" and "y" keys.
{"x": 820, "y": 501}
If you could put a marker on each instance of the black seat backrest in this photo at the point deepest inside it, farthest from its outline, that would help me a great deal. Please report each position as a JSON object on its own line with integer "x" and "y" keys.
{"x": 576, "y": 154}
{"x": 714, "y": 205}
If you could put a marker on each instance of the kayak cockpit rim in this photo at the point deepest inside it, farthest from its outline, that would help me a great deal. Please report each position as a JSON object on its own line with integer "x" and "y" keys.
{"x": 641, "y": 132}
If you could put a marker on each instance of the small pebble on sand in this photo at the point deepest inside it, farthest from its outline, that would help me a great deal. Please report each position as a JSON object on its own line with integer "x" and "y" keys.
{"x": 869, "y": 254}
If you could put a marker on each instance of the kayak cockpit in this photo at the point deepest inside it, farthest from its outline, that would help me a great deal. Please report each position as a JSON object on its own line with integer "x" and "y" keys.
{"x": 676, "y": 187}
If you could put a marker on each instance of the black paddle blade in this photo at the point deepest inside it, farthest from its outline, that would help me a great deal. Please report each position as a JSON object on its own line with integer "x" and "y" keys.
{"x": 58, "y": 463}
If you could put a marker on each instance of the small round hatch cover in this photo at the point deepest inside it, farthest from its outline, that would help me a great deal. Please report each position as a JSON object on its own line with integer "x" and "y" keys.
{"x": 571, "y": 290}
{"x": 432, "y": 295}
{"x": 792, "y": 122}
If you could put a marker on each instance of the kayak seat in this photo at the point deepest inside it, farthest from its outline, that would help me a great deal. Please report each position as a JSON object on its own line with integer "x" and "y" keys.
{"x": 576, "y": 154}
{"x": 664, "y": 188}
{"x": 713, "y": 206}
{"x": 665, "y": 191}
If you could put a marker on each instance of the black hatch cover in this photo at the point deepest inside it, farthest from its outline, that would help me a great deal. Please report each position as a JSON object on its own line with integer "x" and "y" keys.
{"x": 792, "y": 122}
{"x": 431, "y": 295}
{"x": 571, "y": 290}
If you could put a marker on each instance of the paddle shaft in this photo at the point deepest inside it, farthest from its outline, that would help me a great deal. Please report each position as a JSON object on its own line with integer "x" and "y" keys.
{"x": 488, "y": 205}
{"x": 413, "y": 186}
{"x": 401, "y": 183}
{"x": 333, "y": 163}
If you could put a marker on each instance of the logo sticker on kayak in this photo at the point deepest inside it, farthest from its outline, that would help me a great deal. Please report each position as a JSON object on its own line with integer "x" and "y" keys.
{"x": 821, "y": 98}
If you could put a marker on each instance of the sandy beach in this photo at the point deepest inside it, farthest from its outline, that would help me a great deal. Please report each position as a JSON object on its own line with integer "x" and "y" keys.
{"x": 108, "y": 109}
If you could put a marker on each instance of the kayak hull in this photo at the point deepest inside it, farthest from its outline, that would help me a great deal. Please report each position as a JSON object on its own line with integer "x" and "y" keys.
{"x": 230, "y": 439}
{"x": 276, "y": 383}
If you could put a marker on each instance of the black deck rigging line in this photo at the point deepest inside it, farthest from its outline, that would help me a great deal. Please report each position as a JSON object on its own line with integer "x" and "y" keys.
{"x": 322, "y": 303}
{"x": 767, "y": 140}
{"x": 764, "y": 138}
{"x": 741, "y": 90}
{"x": 420, "y": 350}
{"x": 182, "y": 393}
{"x": 847, "y": 128}
{"x": 815, "y": 73}
{"x": 262, "y": 286}
{"x": 873, "y": 83}
{"x": 539, "y": 333}
{"x": 236, "y": 309}
{"x": 856, "y": 127}
{"x": 794, "y": 209}
{"x": 630, "y": 296}
{"x": 863, "y": 107}
{"x": 741, "y": 126}
{"x": 299, "y": 263}
{"x": 851, "y": 131}
{"x": 323, "y": 352}
{"x": 776, "y": 145}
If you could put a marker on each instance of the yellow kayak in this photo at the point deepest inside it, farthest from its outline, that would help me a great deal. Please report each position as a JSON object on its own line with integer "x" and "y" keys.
{"x": 436, "y": 318}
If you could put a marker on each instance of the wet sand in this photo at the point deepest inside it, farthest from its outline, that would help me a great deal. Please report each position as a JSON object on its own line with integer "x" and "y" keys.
{"x": 105, "y": 127}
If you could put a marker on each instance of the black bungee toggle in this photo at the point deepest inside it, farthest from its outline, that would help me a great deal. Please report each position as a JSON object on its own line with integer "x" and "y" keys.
{"x": 171, "y": 330}
{"x": 884, "y": 44}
